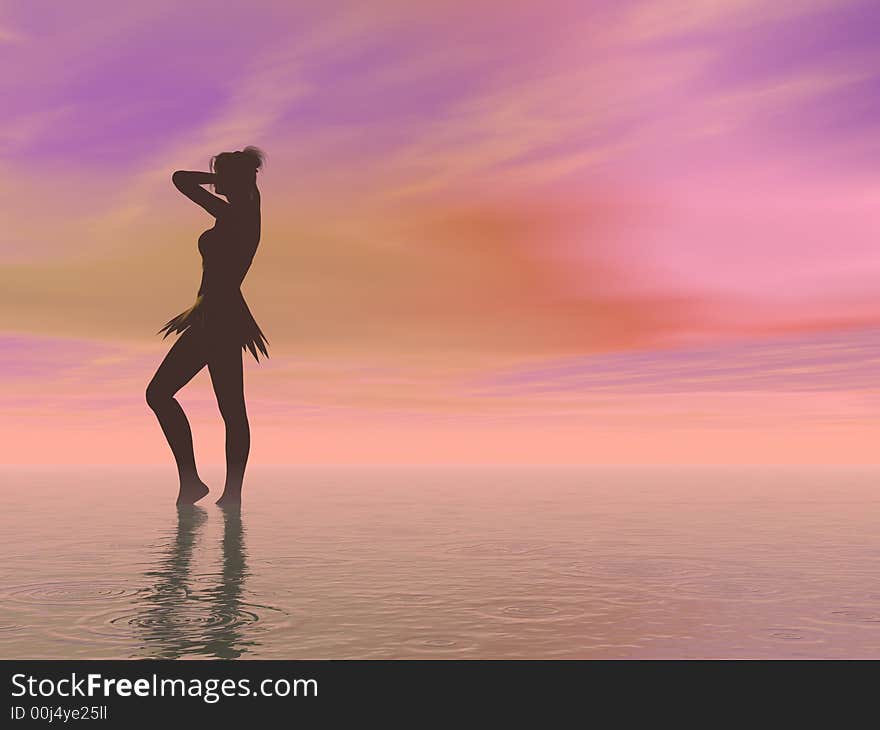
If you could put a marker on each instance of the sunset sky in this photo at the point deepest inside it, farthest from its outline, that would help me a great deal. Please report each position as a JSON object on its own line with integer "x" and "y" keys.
{"x": 640, "y": 231}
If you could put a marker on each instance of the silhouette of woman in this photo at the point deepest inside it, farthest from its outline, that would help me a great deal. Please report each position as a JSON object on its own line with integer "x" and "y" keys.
{"x": 217, "y": 328}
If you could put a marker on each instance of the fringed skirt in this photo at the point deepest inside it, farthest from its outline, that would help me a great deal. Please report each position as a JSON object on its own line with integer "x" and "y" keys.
{"x": 221, "y": 319}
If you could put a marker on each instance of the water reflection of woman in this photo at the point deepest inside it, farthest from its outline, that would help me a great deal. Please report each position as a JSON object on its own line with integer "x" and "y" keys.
{"x": 176, "y": 619}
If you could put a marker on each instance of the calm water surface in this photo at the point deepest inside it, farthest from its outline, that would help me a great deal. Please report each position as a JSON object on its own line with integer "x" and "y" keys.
{"x": 443, "y": 562}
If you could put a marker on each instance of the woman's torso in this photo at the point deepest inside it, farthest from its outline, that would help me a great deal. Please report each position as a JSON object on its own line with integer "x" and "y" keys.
{"x": 227, "y": 250}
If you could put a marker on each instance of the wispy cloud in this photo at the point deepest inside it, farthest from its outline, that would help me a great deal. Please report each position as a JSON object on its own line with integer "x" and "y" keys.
{"x": 843, "y": 361}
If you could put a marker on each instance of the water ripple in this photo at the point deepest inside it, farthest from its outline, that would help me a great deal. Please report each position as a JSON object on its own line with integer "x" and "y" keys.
{"x": 529, "y": 610}
{"x": 85, "y": 591}
{"x": 500, "y": 548}
{"x": 442, "y": 645}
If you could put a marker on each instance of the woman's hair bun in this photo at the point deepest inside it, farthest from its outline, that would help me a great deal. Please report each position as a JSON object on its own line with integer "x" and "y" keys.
{"x": 240, "y": 166}
{"x": 254, "y": 155}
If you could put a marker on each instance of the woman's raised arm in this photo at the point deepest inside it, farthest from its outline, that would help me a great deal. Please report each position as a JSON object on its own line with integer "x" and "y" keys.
{"x": 190, "y": 184}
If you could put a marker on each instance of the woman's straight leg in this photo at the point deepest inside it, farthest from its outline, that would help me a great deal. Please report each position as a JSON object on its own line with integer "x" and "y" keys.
{"x": 227, "y": 377}
{"x": 185, "y": 358}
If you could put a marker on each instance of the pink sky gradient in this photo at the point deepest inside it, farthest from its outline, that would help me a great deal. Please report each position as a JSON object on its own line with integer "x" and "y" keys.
{"x": 558, "y": 232}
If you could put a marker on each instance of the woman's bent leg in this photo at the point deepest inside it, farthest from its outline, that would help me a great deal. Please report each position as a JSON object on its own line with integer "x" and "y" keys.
{"x": 185, "y": 358}
{"x": 227, "y": 377}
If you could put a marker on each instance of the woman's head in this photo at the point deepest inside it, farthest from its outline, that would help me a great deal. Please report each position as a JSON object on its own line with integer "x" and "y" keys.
{"x": 236, "y": 172}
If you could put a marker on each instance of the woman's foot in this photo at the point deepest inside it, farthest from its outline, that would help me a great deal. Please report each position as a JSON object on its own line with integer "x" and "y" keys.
{"x": 229, "y": 497}
{"x": 191, "y": 491}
